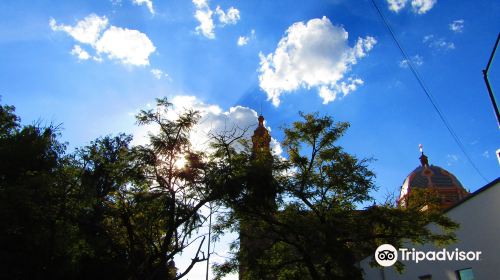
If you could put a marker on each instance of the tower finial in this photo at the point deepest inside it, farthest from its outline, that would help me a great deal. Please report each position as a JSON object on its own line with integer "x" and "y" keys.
{"x": 424, "y": 161}
{"x": 261, "y": 121}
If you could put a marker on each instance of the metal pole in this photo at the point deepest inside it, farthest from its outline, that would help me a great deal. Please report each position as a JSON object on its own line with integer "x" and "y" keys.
{"x": 209, "y": 238}
{"x": 488, "y": 86}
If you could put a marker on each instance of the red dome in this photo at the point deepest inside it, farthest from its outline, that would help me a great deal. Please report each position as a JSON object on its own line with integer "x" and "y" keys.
{"x": 433, "y": 177}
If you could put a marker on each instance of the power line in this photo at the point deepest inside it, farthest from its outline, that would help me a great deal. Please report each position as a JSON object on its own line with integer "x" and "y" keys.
{"x": 427, "y": 92}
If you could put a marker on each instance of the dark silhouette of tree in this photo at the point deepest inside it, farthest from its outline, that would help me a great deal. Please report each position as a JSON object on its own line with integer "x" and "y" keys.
{"x": 108, "y": 210}
{"x": 116, "y": 211}
{"x": 180, "y": 190}
{"x": 34, "y": 238}
{"x": 317, "y": 231}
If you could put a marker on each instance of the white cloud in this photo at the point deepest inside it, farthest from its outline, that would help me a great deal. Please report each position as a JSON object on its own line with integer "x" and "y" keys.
{"x": 130, "y": 47}
{"x": 315, "y": 54}
{"x": 243, "y": 40}
{"x": 158, "y": 74}
{"x": 148, "y": 3}
{"x": 438, "y": 43}
{"x": 329, "y": 94}
{"x": 416, "y": 60}
{"x": 457, "y": 26}
{"x": 422, "y": 6}
{"x": 418, "y": 6}
{"x": 486, "y": 154}
{"x": 80, "y": 53}
{"x": 204, "y": 14}
{"x": 86, "y": 31}
{"x": 396, "y": 5}
{"x": 231, "y": 16}
{"x": 213, "y": 120}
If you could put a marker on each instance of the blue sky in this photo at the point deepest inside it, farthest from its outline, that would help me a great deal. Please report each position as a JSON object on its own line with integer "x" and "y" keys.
{"x": 91, "y": 65}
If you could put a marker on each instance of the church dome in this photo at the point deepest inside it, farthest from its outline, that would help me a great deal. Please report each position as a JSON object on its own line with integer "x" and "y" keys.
{"x": 432, "y": 177}
{"x": 436, "y": 178}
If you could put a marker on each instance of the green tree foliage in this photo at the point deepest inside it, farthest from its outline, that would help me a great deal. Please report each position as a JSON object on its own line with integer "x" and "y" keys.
{"x": 180, "y": 190}
{"x": 107, "y": 211}
{"x": 109, "y": 181}
{"x": 111, "y": 210}
{"x": 317, "y": 231}
{"x": 34, "y": 239}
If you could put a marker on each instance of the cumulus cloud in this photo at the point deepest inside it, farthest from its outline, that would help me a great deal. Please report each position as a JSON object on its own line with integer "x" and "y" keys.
{"x": 416, "y": 60}
{"x": 204, "y": 14}
{"x": 213, "y": 120}
{"x": 130, "y": 47}
{"x": 243, "y": 40}
{"x": 329, "y": 94}
{"x": 85, "y": 31}
{"x": 418, "y": 6}
{"x": 396, "y": 5}
{"x": 438, "y": 43}
{"x": 457, "y": 26}
{"x": 422, "y": 6}
{"x": 231, "y": 16}
{"x": 80, "y": 53}
{"x": 315, "y": 54}
{"x": 148, "y": 3}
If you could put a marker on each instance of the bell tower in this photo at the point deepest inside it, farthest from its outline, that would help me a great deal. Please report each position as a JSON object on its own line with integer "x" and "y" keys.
{"x": 261, "y": 198}
{"x": 261, "y": 141}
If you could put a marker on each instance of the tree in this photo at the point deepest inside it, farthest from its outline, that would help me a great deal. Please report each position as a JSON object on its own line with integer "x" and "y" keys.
{"x": 108, "y": 192}
{"x": 109, "y": 210}
{"x": 113, "y": 210}
{"x": 180, "y": 190}
{"x": 35, "y": 239}
{"x": 318, "y": 232}
{"x": 144, "y": 202}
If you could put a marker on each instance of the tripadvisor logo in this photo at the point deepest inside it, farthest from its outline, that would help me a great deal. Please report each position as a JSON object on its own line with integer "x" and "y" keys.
{"x": 387, "y": 255}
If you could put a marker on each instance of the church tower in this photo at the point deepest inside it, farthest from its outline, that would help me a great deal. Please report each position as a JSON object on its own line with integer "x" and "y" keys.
{"x": 261, "y": 141}
{"x": 260, "y": 180}
{"x": 261, "y": 198}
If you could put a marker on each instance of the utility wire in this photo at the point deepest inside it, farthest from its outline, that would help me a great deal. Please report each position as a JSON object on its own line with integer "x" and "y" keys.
{"x": 427, "y": 92}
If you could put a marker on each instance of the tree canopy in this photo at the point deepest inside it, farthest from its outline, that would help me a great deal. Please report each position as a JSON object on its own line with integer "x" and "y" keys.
{"x": 317, "y": 231}
{"x": 114, "y": 210}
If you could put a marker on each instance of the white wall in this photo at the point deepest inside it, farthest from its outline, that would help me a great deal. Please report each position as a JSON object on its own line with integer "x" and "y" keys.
{"x": 479, "y": 219}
